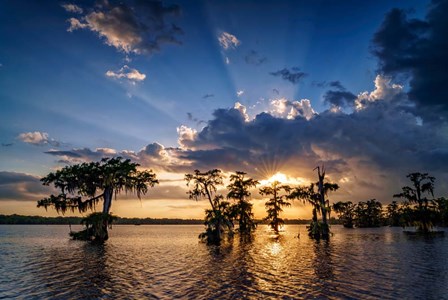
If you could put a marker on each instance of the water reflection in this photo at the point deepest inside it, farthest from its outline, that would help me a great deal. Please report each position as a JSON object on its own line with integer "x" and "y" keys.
{"x": 153, "y": 262}
{"x": 322, "y": 263}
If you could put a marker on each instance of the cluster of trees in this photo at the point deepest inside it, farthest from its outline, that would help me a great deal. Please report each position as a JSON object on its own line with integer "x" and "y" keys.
{"x": 420, "y": 209}
{"x": 221, "y": 216}
{"x": 363, "y": 214}
{"x": 82, "y": 186}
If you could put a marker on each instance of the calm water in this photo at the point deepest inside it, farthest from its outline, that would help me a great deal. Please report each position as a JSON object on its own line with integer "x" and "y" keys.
{"x": 166, "y": 262}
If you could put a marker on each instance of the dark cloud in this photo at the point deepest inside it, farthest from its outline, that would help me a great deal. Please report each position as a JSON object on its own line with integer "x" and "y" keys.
{"x": 275, "y": 91}
{"x": 138, "y": 26}
{"x": 380, "y": 142}
{"x": 7, "y": 144}
{"x": 194, "y": 119}
{"x": 333, "y": 84}
{"x": 417, "y": 49}
{"x": 294, "y": 75}
{"x": 337, "y": 85}
{"x": 340, "y": 98}
{"x": 254, "y": 58}
{"x": 206, "y": 96}
{"x": 22, "y": 187}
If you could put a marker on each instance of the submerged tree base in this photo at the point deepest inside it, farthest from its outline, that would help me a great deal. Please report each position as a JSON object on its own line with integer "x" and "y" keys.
{"x": 96, "y": 227}
{"x": 318, "y": 230}
{"x": 212, "y": 237}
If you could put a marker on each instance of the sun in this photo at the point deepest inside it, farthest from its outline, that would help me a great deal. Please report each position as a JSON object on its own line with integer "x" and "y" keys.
{"x": 284, "y": 179}
{"x": 280, "y": 177}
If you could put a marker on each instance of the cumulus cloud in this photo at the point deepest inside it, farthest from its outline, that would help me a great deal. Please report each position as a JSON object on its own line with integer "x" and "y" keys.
{"x": 294, "y": 75}
{"x": 139, "y": 27}
{"x": 73, "y": 8}
{"x": 131, "y": 74}
{"x": 239, "y": 93}
{"x": 284, "y": 108}
{"x": 38, "y": 138}
{"x": 417, "y": 48}
{"x": 384, "y": 90}
{"x": 228, "y": 41}
{"x": 380, "y": 143}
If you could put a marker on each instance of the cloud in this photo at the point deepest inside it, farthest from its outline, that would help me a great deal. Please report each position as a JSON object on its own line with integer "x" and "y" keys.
{"x": 22, "y": 187}
{"x": 384, "y": 90}
{"x": 340, "y": 98}
{"x": 228, "y": 41}
{"x": 239, "y": 93}
{"x": 7, "y": 144}
{"x": 294, "y": 75}
{"x": 140, "y": 27}
{"x": 128, "y": 73}
{"x": 254, "y": 58}
{"x": 79, "y": 155}
{"x": 380, "y": 142}
{"x": 38, "y": 138}
{"x": 417, "y": 49}
{"x": 206, "y": 96}
{"x": 284, "y": 108}
{"x": 73, "y": 8}
{"x": 194, "y": 119}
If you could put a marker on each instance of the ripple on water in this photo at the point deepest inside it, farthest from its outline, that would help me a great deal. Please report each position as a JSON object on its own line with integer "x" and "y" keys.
{"x": 167, "y": 262}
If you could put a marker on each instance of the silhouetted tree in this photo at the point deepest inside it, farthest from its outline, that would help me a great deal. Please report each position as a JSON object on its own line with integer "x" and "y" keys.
{"x": 422, "y": 184}
{"x": 218, "y": 219}
{"x": 346, "y": 212}
{"x": 274, "y": 205}
{"x": 321, "y": 205}
{"x": 83, "y": 185}
{"x": 239, "y": 191}
{"x": 368, "y": 214}
{"x": 441, "y": 209}
{"x": 393, "y": 214}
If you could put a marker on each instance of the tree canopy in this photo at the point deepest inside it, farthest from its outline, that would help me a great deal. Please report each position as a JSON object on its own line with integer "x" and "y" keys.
{"x": 83, "y": 185}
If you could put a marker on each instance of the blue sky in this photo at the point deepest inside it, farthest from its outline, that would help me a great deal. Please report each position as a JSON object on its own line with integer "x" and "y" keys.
{"x": 84, "y": 79}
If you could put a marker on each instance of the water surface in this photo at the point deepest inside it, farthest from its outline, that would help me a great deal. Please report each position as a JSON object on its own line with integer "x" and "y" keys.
{"x": 167, "y": 262}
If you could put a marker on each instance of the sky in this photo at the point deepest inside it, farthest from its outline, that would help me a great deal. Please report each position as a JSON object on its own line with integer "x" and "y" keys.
{"x": 271, "y": 88}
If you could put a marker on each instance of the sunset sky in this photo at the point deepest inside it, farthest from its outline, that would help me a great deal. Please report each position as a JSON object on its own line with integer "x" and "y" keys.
{"x": 265, "y": 87}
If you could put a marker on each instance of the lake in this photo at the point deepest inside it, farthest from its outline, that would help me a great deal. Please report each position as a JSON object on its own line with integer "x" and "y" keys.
{"x": 168, "y": 262}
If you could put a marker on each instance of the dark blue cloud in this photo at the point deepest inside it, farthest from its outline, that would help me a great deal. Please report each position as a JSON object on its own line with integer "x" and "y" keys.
{"x": 417, "y": 49}
{"x": 294, "y": 75}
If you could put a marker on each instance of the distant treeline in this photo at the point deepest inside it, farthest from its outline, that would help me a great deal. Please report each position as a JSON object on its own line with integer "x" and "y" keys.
{"x": 31, "y": 220}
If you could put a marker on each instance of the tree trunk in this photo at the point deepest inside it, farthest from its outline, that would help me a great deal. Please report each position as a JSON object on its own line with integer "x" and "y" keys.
{"x": 323, "y": 206}
{"x": 103, "y": 235}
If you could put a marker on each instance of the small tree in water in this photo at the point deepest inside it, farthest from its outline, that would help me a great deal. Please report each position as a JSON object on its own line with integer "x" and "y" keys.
{"x": 218, "y": 219}
{"x": 83, "y": 185}
{"x": 317, "y": 198}
{"x": 422, "y": 184}
{"x": 274, "y": 205}
{"x": 239, "y": 191}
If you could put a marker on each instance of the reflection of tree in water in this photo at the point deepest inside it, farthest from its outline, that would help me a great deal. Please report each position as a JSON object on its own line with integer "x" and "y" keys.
{"x": 322, "y": 264}
{"x": 244, "y": 278}
{"x": 78, "y": 273}
{"x": 227, "y": 272}
{"x": 96, "y": 279}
